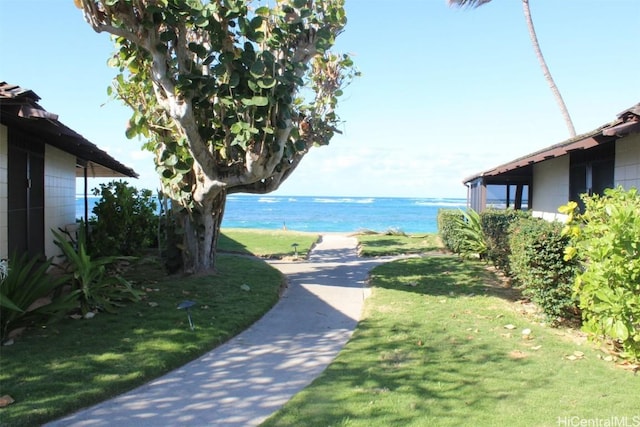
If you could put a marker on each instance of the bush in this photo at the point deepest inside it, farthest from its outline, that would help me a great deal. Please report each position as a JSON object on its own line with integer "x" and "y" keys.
{"x": 495, "y": 227}
{"x": 606, "y": 239}
{"x": 537, "y": 265}
{"x": 126, "y": 220}
{"x": 448, "y": 229}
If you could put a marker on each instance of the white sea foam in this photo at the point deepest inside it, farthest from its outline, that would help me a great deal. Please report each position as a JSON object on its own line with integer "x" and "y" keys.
{"x": 344, "y": 200}
{"x": 268, "y": 200}
{"x": 441, "y": 202}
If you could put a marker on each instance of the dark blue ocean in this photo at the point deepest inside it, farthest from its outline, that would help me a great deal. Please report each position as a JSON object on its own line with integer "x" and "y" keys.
{"x": 329, "y": 214}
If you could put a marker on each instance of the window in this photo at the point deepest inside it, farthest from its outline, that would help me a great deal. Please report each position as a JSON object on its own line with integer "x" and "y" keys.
{"x": 591, "y": 171}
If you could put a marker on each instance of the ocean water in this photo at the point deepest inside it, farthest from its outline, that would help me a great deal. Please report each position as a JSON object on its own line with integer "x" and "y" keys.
{"x": 329, "y": 214}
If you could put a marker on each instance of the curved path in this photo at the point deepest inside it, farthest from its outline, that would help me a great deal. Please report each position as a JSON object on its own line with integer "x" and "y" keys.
{"x": 243, "y": 381}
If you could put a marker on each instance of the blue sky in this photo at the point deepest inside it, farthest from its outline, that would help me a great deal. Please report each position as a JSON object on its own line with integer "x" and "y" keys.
{"x": 444, "y": 92}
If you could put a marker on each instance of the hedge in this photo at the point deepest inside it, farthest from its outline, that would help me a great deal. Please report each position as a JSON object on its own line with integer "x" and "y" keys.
{"x": 495, "y": 227}
{"x": 537, "y": 265}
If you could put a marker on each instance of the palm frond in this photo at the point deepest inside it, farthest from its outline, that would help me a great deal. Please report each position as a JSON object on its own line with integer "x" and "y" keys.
{"x": 467, "y": 3}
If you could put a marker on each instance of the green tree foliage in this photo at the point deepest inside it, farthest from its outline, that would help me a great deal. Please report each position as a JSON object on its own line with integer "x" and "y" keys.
{"x": 537, "y": 265}
{"x": 606, "y": 240}
{"x": 229, "y": 95}
{"x": 126, "y": 220}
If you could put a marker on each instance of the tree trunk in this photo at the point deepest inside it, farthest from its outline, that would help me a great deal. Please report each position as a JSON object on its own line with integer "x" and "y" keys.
{"x": 201, "y": 230}
{"x": 545, "y": 69}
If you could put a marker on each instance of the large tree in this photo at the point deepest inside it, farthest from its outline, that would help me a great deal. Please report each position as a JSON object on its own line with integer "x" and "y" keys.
{"x": 229, "y": 94}
{"x": 539, "y": 56}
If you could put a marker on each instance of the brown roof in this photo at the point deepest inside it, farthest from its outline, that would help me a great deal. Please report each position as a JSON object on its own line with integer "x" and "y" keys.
{"x": 627, "y": 122}
{"x": 19, "y": 108}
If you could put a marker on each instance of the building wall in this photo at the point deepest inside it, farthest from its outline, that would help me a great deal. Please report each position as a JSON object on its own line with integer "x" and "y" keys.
{"x": 627, "y": 168}
{"x": 550, "y": 187}
{"x": 4, "y": 192}
{"x": 60, "y": 194}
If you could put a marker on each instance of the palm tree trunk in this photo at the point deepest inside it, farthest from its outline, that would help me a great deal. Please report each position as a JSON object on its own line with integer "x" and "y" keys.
{"x": 545, "y": 70}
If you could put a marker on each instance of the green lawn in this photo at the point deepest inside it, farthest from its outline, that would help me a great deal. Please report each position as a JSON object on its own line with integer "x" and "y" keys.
{"x": 266, "y": 243}
{"x": 442, "y": 344}
{"x": 372, "y": 244}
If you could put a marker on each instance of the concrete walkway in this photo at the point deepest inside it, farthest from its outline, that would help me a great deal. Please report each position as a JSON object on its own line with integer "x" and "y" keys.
{"x": 242, "y": 382}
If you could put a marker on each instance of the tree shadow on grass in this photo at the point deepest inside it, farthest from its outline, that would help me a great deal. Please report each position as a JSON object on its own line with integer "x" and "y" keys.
{"x": 398, "y": 382}
{"x": 442, "y": 275}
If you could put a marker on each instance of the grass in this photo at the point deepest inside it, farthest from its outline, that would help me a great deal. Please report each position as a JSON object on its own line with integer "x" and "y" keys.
{"x": 435, "y": 348}
{"x": 372, "y": 244}
{"x": 266, "y": 243}
{"x": 54, "y": 370}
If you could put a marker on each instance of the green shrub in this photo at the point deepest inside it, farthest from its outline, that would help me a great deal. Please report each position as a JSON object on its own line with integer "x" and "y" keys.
{"x": 27, "y": 294}
{"x": 448, "y": 229}
{"x": 606, "y": 239}
{"x": 537, "y": 265}
{"x": 495, "y": 226}
{"x": 126, "y": 220}
{"x": 92, "y": 286}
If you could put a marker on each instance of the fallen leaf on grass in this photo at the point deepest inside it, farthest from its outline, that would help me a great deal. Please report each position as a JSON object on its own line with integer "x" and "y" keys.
{"x": 538, "y": 347}
{"x": 577, "y": 355}
{"x": 509, "y": 326}
{"x": 633, "y": 367}
{"x": 6, "y": 400}
{"x": 608, "y": 358}
{"x": 517, "y": 354}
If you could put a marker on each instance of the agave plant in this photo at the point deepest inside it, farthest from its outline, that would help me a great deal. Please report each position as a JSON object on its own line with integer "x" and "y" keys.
{"x": 91, "y": 284}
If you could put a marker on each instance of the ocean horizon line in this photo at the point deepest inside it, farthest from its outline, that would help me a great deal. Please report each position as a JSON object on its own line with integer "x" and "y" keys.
{"x": 91, "y": 196}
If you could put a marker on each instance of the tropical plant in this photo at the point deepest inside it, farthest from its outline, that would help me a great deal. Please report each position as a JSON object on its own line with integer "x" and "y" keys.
{"x": 606, "y": 240}
{"x": 469, "y": 229}
{"x": 92, "y": 285}
{"x": 27, "y": 294}
{"x": 125, "y": 220}
{"x": 229, "y": 97}
{"x": 539, "y": 56}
